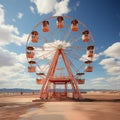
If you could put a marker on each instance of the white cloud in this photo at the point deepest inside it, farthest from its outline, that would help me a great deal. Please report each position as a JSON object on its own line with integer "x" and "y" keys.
{"x": 112, "y": 63}
{"x": 32, "y": 9}
{"x": 97, "y": 82}
{"x": 1, "y": 14}
{"x": 108, "y": 62}
{"x": 13, "y": 72}
{"x": 19, "y": 40}
{"x": 16, "y": 76}
{"x": 9, "y": 33}
{"x": 77, "y": 3}
{"x": 111, "y": 82}
{"x": 113, "y": 51}
{"x": 85, "y": 57}
{"x": 43, "y": 6}
{"x": 22, "y": 58}
{"x": 111, "y": 66}
{"x": 61, "y": 7}
{"x": 13, "y": 20}
{"x": 98, "y": 79}
{"x": 53, "y": 6}
{"x": 7, "y": 58}
{"x": 20, "y": 15}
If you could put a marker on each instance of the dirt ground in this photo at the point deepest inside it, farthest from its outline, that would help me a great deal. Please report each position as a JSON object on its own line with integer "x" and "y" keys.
{"x": 94, "y": 107}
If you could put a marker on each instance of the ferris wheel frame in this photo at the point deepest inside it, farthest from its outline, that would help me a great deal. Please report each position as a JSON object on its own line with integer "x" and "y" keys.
{"x": 67, "y": 52}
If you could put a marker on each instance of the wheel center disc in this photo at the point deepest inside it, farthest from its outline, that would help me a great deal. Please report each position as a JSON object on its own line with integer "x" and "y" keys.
{"x": 59, "y": 46}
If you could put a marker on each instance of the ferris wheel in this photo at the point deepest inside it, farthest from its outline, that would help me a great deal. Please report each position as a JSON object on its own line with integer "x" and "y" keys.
{"x": 60, "y": 50}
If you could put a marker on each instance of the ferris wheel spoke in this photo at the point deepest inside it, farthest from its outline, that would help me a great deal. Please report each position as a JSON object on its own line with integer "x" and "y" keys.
{"x": 43, "y": 67}
{"x": 59, "y": 33}
{"x": 86, "y": 59}
{"x": 74, "y": 67}
{"x": 75, "y": 39}
{"x": 52, "y": 34}
{"x": 75, "y": 48}
{"x": 46, "y": 55}
{"x": 67, "y": 35}
{"x": 44, "y": 48}
{"x": 73, "y": 55}
{"x": 48, "y": 42}
{"x": 78, "y": 69}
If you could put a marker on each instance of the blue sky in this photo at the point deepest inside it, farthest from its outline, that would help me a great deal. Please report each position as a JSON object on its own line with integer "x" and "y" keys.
{"x": 17, "y": 19}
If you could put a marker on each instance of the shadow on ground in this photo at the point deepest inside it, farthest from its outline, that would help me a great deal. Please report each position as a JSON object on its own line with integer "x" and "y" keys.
{"x": 76, "y": 100}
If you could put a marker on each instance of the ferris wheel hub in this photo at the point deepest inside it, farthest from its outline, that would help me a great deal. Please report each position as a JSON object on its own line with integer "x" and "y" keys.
{"x": 59, "y": 46}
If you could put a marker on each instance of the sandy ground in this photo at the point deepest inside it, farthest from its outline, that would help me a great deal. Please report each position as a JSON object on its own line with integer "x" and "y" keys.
{"x": 101, "y": 107}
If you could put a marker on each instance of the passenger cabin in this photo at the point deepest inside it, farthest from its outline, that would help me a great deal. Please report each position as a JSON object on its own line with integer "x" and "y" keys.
{"x": 60, "y": 22}
{"x": 40, "y": 81}
{"x": 81, "y": 81}
{"x": 85, "y": 36}
{"x": 74, "y": 25}
{"x": 32, "y": 67}
{"x": 30, "y": 52}
{"x": 90, "y": 51}
{"x": 34, "y": 36}
{"x": 88, "y": 68}
{"x": 45, "y": 26}
{"x": 90, "y": 54}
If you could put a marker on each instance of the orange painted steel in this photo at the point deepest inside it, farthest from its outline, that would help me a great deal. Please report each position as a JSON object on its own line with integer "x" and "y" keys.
{"x": 46, "y": 86}
{"x": 46, "y": 73}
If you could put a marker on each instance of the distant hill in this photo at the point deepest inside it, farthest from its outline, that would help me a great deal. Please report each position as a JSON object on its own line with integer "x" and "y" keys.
{"x": 31, "y": 90}
{"x": 18, "y": 90}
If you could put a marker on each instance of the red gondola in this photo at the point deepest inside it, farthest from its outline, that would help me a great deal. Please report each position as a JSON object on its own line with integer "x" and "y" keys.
{"x": 90, "y": 51}
{"x": 89, "y": 69}
{"x": 30, "y": 54}
{"x": 40, "y": 81}
{"x": 81, "y": 81}
{"x": 34, "y": 36}
{"x": 32, "y": 67}
{"x": 45, "y": 26}
{"x": 85, "y": 36}
{"x": 74, "y": 25}
{"x": 60, "y": 22}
